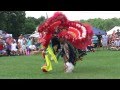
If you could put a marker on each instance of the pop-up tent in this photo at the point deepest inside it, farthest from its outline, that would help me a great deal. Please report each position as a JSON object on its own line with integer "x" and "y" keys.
{"x": 97, "y": 31}
{"x": 36, "y": 35}
{"x": 113, "y": 29}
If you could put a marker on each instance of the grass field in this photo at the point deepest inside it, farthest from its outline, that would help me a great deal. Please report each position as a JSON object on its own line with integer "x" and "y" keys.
{"x": 95, "y": 65}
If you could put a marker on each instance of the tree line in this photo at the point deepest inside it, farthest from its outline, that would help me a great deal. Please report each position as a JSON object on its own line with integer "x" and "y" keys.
{"x": 16, "y": 22}
{"x": 103, "y": 24}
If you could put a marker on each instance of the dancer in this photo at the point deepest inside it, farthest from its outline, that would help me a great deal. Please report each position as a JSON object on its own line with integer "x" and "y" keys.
{"x": 73, "y": 35}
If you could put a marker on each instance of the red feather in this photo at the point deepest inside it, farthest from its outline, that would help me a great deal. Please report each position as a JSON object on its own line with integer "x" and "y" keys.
{"x": 53, "y": 26}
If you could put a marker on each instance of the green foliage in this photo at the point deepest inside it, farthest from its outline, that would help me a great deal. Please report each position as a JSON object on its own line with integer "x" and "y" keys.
{"x": 15, "y": 22}
{"x": 12, "y": 21}
{"x": 31, "y": 23}
{"x": 41, "y": 20}
{"x": 104, "y": 24}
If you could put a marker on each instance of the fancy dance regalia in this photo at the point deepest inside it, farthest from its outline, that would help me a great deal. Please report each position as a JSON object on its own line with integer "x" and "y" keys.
{"x": 73, "y": 35}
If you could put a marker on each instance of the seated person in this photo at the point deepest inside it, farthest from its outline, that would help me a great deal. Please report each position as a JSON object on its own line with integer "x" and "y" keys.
{"x": 1, "y": 49}
{"x": 117, "y": 43}
{"x": 14, "y": 49}
{"x": 2, "y": 46}
{"x": 32, "y": 47}
{"x": 91, "y": 48}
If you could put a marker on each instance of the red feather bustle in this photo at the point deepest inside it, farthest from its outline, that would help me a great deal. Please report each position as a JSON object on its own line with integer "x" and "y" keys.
{"x": 78, "y": 34}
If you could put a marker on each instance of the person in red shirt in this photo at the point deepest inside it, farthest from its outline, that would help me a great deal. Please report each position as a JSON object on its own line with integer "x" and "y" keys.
{"x": 1, "y": 46}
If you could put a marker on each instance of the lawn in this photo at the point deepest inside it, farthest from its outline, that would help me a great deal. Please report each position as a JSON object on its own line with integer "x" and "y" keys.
{"x": 95, "y": 65}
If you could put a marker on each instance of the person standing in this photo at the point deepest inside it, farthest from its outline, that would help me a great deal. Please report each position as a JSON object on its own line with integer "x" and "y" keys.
{"x": 99, "y": 40}
{"x": 95, "y": 40}
{"x": 14, "y": 49}
{"x": 118, "y": 33}
{"x": 104, "y": 41}
{"x": 20, "y": 42}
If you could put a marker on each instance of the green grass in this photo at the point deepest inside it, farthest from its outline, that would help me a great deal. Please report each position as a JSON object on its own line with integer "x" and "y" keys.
{"x": 95, "y": 65}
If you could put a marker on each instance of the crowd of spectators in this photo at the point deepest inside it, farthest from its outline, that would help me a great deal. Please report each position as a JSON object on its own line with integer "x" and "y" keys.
{"x": 107, "y": 42}
{"x": 10, "y": 46}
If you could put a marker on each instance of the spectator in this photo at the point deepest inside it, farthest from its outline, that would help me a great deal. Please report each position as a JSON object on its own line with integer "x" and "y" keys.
{"x": 29, "y": 43}
{"x": 20, "y": 42}
{"x": 104, "y": 41}
{"x": 90, "y": 47}
{"x": 117, "y": 43}
{"x": 95, "y": 40}
{"x": 24, "y": 48}
{"x": 6, "y": 35}
{"x": 99, "y": 40}
{"x": 9, "y": 40}
{"x": 18, "y": 47}
{"x": 118, "y": 33}
{"x": 1, "y": 46}
{"x": 14, "y": 49}
{"x": 37, "y": 43}
{"x": 8, "y": 49}
{"x": 32, "y": 47}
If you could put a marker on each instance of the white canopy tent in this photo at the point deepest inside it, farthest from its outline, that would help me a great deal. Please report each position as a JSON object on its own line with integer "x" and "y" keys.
{"x": 113, "y": 29}
{"x": 36, "y": 35}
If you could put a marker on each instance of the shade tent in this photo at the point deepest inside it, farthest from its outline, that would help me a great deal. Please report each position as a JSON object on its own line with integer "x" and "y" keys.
{"x": 96, "y": 31}
{"x": 113, "y": 29}
{"x": 36, "y": 35}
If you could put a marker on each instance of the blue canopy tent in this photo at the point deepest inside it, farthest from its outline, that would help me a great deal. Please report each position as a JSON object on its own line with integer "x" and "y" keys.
{"x": 97, "y": 31}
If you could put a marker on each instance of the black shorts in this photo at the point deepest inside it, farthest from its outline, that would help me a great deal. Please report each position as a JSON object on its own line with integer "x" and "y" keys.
{"x": 55, "y": 41}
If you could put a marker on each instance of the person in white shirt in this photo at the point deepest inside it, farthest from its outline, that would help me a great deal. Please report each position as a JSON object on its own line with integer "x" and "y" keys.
{"x": 24, "y": 47}
{"x": 32, "y": 47}
{"x": 104, "y": 41}
{"x": 117, "y": 43}
{"x": 14, "y": 49}
{"x": 20, "y": 41}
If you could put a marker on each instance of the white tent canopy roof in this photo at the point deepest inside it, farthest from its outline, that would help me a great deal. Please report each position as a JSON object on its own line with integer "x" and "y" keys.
{"x": 113, "y": 29}
{"x": 36, "y": 35}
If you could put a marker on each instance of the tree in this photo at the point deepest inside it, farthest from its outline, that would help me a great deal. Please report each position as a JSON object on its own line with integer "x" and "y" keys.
{"x": 31, "y": 23}
{"x": 41, "y": 20}
{"x": 3, "y": 20}
{"x": 16, "y": 21}
{"x": 12, "y": 22}
{"x": 104, "y": 24}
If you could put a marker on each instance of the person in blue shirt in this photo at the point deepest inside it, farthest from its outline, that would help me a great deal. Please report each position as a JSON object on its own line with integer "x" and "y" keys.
{"x": 29, "y": 42}
{"x": 95, "y": 40}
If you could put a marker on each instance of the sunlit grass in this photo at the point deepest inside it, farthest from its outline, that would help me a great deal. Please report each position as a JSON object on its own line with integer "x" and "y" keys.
{"x": 95, "y": 65}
